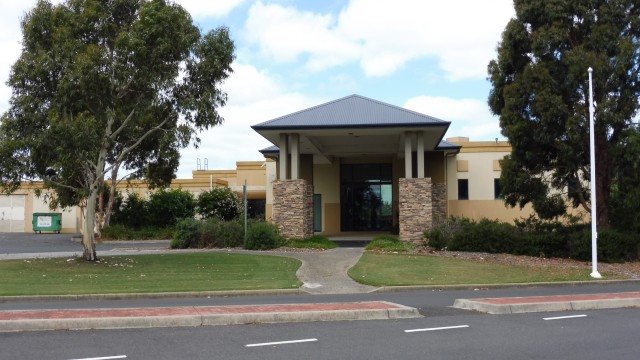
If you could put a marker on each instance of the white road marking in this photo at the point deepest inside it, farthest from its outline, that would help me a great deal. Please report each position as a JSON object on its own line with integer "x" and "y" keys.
{"x": 105, "y": 358}
{"x": 438, "y": 328}
{"x": 564, "y": 317}
{"x": 281, "y": 342}
{"x": 312, "y": 285}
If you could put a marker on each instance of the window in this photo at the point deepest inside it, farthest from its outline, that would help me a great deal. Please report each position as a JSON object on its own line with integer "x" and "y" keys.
{"x": 497, "y": 189}
{"x": 463, "y": 189}
{"x": 256, "y": 208}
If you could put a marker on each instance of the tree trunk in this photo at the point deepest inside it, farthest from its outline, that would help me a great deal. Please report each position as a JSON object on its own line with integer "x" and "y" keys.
{"x": 112, "y": 195}
{"x": 88, "y": 238}
{"x": 603, "y": 180}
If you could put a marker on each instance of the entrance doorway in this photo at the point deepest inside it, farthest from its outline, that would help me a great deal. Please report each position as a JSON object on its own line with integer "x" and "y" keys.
{"x": 366, "y": 197}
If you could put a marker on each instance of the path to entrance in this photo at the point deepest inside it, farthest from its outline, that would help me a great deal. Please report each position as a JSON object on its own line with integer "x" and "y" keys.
{"x": 326, "y": 272}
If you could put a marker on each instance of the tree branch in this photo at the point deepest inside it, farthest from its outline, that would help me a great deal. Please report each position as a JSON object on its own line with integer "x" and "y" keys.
{"x": 128, "y": 149}
{"x": 122, "y": 127}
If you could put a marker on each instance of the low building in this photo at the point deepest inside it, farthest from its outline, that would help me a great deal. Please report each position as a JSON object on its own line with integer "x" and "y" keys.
{"x": 357, "y": 164}
{"x": 350, "y": 165}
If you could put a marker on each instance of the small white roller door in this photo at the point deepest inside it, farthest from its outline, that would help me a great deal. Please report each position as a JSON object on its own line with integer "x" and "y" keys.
{"x": 12, "y": 213}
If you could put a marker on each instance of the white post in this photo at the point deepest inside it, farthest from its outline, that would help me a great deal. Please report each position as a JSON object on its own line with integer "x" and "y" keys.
{"x": 294, "y": 142}
{"x": 283, "y": 156}
{"x": 420, "y": 154}
{"x": 408, "y": 140}
{"x": 244, "y": 200}
{"x": 594, "y": 218}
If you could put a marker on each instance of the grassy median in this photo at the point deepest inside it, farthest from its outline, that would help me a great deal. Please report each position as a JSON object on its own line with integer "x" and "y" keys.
{"x": 148, "y": 274}
{"x": 402, "y": 269}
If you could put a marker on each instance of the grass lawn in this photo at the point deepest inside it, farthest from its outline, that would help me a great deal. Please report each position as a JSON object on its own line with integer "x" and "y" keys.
{"x": 148, "y": 274}
{"x": 398, "y": 269}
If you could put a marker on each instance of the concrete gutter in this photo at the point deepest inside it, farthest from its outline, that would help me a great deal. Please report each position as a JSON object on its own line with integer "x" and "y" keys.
{"x": 164, "y": 295}
{"x": 392, "y": 289}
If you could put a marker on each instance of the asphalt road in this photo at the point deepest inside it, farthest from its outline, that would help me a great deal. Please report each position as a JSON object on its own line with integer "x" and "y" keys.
{"x": 602, "y": 334}
{"x": 444, "y": 332}
{"x": 26, "y": 243}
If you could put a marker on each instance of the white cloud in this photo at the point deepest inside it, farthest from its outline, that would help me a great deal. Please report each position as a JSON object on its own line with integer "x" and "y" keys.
{"x": 12, "y": 13}
{"x": 285, "y": 34}
{"x": 469, "y": 117}
{"x": 215, "y": 8}
{"x": 384, "y": 35}
{"x": 254, "y": 97}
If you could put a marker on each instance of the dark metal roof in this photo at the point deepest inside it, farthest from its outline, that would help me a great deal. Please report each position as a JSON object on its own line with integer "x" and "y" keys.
{"x": 351, "y": 112}
{"x": 270, "y": 150}
{"x": 444, "y": 145}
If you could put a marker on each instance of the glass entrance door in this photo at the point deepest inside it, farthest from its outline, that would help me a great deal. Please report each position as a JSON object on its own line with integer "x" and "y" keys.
{"x": 366, "y": 197}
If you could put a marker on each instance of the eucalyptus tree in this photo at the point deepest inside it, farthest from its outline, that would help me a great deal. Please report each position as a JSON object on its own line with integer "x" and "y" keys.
{"x": 101, "y": 84}
{"x": 539, "y": 90}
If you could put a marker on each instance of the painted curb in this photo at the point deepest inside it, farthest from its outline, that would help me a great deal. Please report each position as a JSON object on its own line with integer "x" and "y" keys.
{"x": 196, "y": 320}
{"x": 576, "y": 305}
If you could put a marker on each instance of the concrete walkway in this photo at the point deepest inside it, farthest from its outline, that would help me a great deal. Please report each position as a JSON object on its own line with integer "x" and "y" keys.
{"x": 326, "y": 272}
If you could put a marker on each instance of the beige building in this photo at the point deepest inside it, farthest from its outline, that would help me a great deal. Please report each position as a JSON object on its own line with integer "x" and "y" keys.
{"x": 350, "y": 165}
{"x": 359, "y": 165}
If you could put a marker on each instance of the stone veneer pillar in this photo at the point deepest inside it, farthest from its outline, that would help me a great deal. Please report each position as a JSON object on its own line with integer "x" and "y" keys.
{"x": 293, "y": 208}
{"x": 415, "y": 207}
{"x": 439, "y": 199}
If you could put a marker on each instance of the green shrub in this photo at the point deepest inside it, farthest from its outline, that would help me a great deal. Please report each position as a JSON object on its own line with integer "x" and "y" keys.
{"x": 131, "y": 212}
{"x": 230, "y": 233}
{"x": 167, "y": 207}
{"x": 219, "y": 203}
{"x": 439, "y": 237}
{"x": 617, "y": 246}
{"x": 208, "y": 235}
{"x": 187, "y": 234}
{"x": 388, "y": 243}
{"x": 263, "y": 236}
{"x": 314, "y": 242}
{"x": 121, "y": 232}
{"x": 533, "y": 237}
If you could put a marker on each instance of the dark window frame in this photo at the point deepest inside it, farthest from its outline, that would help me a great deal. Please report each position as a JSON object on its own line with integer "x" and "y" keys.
{"x": 497, "y": 189}
{"x": 463, "y": 189}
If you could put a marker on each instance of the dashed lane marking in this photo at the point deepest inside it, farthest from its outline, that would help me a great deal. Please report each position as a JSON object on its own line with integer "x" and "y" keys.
{"x": 564, "y": 317}
{"x": 281, "y": 342}
{"x": 437, "y": 328}
{"x": 105, "y": 358}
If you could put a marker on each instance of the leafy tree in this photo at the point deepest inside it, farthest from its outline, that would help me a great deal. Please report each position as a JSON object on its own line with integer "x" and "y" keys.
{"x": 540, "y": 91}
{"x": 220, "y": 203}
{"x": 626, "y": 189}
{"x": 166, "y": 207}
{"x": 107, "y": 83}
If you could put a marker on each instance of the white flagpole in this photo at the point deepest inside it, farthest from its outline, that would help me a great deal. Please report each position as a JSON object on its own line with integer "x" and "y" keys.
{"x": 594, "y": 219}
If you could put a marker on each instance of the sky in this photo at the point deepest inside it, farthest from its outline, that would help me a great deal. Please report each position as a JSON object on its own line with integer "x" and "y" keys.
{"x": 423, "y": 55}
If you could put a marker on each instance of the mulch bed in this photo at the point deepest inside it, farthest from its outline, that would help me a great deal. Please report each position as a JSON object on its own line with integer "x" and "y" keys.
{"x": 630, "y": 270}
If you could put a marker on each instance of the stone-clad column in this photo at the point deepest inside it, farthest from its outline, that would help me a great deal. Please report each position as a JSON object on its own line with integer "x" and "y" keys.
{"x": 439, "y": 199}
{"x": 293, "y": 208}
{"x": 415, "y": 207}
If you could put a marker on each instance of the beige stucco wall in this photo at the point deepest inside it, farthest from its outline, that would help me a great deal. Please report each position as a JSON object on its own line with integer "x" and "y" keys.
{"x": 326, "y": 181}
{"x": 481, "y": 174}
{"x": 487, "y": 209}
{"x": 254, "y": 172}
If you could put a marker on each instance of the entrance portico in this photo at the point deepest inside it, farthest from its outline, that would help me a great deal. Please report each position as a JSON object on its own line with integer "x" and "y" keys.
{"x": 365, "y": 165}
